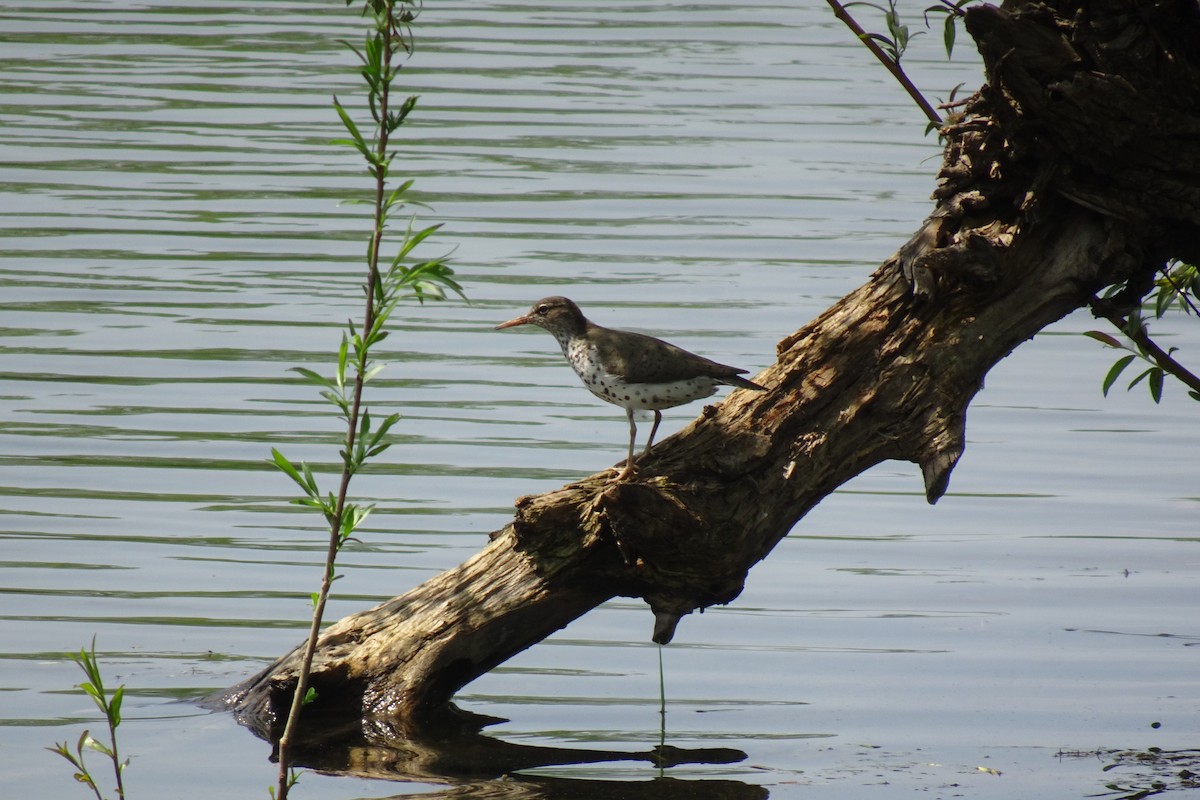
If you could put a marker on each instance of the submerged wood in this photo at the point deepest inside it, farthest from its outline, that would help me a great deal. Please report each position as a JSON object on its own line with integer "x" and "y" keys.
{"x": 1075, "y": 167}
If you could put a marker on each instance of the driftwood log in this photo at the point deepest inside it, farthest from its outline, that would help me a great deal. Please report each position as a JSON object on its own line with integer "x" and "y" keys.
{"x": 1075, "y": 167}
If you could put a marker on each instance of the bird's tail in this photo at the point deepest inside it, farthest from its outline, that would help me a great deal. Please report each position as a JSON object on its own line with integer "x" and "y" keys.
{"x": 743, "y": 383}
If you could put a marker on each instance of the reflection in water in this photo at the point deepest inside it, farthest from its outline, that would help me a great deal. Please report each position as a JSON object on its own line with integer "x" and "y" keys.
{"x": 525, "y": 787}
{"x": 453, "y": 751}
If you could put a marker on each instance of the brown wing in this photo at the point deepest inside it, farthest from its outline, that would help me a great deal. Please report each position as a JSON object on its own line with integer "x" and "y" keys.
{"x": 644, "y": 359}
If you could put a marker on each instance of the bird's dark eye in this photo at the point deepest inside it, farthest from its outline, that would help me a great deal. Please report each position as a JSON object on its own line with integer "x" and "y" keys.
{"x": 542, "y": 310}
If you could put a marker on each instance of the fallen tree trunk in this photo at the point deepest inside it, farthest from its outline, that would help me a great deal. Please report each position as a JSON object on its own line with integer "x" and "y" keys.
{"x": 1076, "y": 167}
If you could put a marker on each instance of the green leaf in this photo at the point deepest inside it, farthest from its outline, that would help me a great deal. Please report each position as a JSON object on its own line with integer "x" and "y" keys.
{"x": 1141, "y": 376}
{"x": 286, "y": 466}
{"x": 411, "y": 240}
{"x": 315, "y": 377}
{"x": 396, "y": 118}
{"x": 114, "y": 706}
{"x": 352, "y": 517}
{"x": 346, "y": 143}
{"x": 1163, "y": 300}
{"x": 391, "y": 420}
{"x": 1115, "y": 372}
{"x": 888, "y": 46}
{"x": 878, "y": 8}
{"x": 357, "y": 141}
{"x": 1156, "y": 384}
{"x": 372, "y": 102}
{"x": 310, "y": 481}
{"x": 338, "y": 400}
{"x": 377, "y": 449}
{"x": 1104, "y": 338}
{"x": 91, "y": 691}
{"x": 397, "y": 193}
{"x": 378, "y": 335}
{"x": 341, "y": 362}
{"x": 352, "y": 48}
{"x": 92, "y": 743}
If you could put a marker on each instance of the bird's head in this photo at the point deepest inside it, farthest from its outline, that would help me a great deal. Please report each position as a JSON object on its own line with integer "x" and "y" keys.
{"x": 555, "y": 314}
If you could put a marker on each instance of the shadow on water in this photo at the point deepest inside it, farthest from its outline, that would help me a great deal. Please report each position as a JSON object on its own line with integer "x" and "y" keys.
{"x": 453, "y": 752}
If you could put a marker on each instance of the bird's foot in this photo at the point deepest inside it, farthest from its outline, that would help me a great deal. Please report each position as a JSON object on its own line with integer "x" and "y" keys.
{"x": 623, "y": 474}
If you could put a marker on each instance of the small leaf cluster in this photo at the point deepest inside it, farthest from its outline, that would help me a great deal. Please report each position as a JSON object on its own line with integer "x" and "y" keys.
{"x": 953, "y": 11}
{"x": 110, "y": 707}
{"x": 898, "y": 36}
{"x": 426, "y": 280}
{"x": 292, "y": 779}
{"x": 387, "y": 40}
{"x": 1177, "y": 288}
{"x": 1154, "y": 375}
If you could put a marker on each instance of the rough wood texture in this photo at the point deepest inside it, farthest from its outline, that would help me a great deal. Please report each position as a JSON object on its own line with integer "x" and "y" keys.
{"x": 1077, "y": 166}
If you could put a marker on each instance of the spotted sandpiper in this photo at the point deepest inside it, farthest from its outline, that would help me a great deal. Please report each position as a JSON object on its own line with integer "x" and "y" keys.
{"x": 627, "y": 369}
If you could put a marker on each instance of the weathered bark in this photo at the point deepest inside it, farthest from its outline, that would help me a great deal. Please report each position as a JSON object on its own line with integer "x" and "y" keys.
{"x": 1075, "y": 167}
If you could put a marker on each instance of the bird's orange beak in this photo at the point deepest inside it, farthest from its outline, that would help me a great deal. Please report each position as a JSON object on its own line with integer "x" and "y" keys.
{"x": 524, "y": 319}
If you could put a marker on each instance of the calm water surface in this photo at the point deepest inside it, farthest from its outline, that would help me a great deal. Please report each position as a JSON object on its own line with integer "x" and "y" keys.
{"x": 173, "y": 240}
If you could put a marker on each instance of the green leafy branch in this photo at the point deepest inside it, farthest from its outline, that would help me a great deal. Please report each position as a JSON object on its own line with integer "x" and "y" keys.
{"x": 1177, "y": 288}
{"x": 888, "y": 50}
{"x": 110, "y": 707}
{"x": 365, "y": 438}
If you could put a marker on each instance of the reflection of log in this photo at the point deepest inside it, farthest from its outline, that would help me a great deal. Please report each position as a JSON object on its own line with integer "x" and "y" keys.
{"x": 525, "y": 787}
{"x": 1077, "y": 166}
{"x": 454, "y": 752}
{"x": 478, "y": 767}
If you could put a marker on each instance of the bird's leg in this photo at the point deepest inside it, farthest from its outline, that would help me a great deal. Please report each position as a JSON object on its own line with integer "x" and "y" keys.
{"x": 653, "y": 430}
{"x": 627, "y": 470}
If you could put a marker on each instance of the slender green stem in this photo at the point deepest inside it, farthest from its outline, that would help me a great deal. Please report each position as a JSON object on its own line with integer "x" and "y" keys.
{"x": 110, "y": 707}
{"x": 336, "y": 519}
{"x": 116, "y": 758}
{"x": 382, "y": 290}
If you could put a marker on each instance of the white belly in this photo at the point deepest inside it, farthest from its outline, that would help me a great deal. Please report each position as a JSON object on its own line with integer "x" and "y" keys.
{"x": 647, "y": 396}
